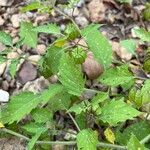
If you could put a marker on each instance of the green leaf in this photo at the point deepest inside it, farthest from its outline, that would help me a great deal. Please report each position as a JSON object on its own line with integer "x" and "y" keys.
{"x": 13, "y": 67}
{"x": 140, "y": 129}
{"x": 2, "y": 59}
{"x": 81, "y": 120}
{"x": 129, "y": 45}
{"x": 134, "y": 144}
{"x": 121, "y": 112}
{"x": 100, "y": 97}
{"x": 146, "y": 12}
{"x": 79, "y": 55}
{"x": 51, "y": 61}
{"x": 35, "y": 138}
{"x": 61, "y": 101}
{"x": 41, "y": 115}
{"x": 71, "y": 76}
{"x": 71, "y": 31}
{"x": 49, "y": 29}
{"x": 51, "y": 92}
{"x": 72, "y": 3}
{"x": 28, "y": 35}
{"x": 98, "y": 44}
{"x": 31, "y": 6}
{"x": 32, "y": 127}
{"x": 117, "y": 76}
{"x": 79, "y": 108}
{"x": 87, "y": 140}
{"x": 142, "y": 34}
{"x": 6, "y": 39}
{"x": 19, "y": 106}
{"x": 125, "y": 1}
{"x": 145, "y": 93}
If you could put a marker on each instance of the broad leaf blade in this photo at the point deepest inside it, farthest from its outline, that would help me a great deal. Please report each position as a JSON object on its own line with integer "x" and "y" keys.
{"x": 134, "y": 144}
{"x": 13, "y": 67}
{"x": 19, "y": 106}
{"x": 117, "y": 111}
{"x": 41, "y": 115}
{"x": 31, "y": 6}
{"x": 49, "y": 29}
{"x": 117, "y": 76}
{"x": 5, "y": 39}
{"x": 2, "y": 59}
{"x": 98, "y": 44}
{"x": 35, "y": 138}
{"x": 140, "y": 129}
{"x": 51, "y": 92}
{"x": 87, "y": 140}
{"x": 142, "y": 34}
{"x": 129, "y": 45}
{"x": 32, "y": 128}
{"x": 51, "y": 61}
{"x": 28, "y": 35}
{"x": 71, "y": 76}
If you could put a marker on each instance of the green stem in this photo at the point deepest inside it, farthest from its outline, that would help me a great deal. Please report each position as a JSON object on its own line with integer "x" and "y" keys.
{"x": 145, "y": 140}
{"x": 75, "y": 123}
{"x": 62, "y": 13}
{"x": 91, "y": 90}
{"x": 100, "y": 144}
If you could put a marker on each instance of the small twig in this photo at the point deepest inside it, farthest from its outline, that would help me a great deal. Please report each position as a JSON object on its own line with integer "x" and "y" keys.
{"x": 100, "y": 144}
{"x": 75, "y": 123}
{"x": 145, "y": 140}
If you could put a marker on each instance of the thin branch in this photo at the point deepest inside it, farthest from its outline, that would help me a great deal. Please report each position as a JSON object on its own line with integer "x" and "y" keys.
{"x": 91, "y": 90}
{"x": 100, "y": 144}
{"x": 75, "y": 123}
{"x": 62, "y": 13}
{"x": 141, "y": 78}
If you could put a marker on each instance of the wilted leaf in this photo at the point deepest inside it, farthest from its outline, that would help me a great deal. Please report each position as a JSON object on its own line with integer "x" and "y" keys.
{"x": 110, "y": 136}
{"x": 1, "y": 125}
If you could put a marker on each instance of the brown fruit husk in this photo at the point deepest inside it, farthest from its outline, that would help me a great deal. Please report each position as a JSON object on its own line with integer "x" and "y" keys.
{"x": 91, "y": 67}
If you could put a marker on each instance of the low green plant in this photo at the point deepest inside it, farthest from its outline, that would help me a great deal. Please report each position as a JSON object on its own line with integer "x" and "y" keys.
{"x": 106, "y": 112}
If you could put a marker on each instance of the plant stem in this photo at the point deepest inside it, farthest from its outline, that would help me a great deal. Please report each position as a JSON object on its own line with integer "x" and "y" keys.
{"x": 141, "y": 78}
{"x": 145, "y": 140}
{"x": 75, "y": 123}
{"x": 100, "y": 144}
{"x": 14, "y": 133}
{"x": 91, "y": 90}
{"x": 62, "y": 13}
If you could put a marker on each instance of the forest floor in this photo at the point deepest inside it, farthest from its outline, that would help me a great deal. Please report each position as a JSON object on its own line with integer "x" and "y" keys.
{"x": 117, "y": 19}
